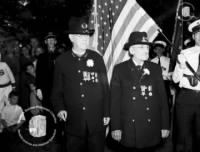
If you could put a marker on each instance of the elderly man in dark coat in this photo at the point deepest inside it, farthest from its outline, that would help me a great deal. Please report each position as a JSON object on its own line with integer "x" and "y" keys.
{"x": 81, "y": 92}
{"x": 139, "y": 108}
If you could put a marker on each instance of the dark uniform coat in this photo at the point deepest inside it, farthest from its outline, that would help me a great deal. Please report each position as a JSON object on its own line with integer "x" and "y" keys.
{"x": 44, "y": 76}
{"x": 81, "y": 88}
{"x": 138, "y": 104}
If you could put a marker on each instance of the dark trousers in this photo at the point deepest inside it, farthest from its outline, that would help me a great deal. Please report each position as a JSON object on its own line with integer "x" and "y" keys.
{"x": 88, "y": 143}
{"x": 126, "y": 149}
{"x": 187, "y": 123}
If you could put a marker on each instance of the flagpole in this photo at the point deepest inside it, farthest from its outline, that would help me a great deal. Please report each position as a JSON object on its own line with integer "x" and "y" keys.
{"x": 176, "y": 22}
{"x": 95, "y": 41}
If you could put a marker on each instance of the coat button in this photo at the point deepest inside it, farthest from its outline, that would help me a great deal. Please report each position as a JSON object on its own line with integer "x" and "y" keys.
{"x": 82, "y": 95}
{"x": 83, "y": 108}
{"x": 147, "y": 108}
{"x": 81, "y": 83}
{"x": 79, "y": 71}
{"x": 145, "y": 98}
{"x": 133, "y": 120}
{"x": 149, "y": 120}
{"x": 134, "y": 98}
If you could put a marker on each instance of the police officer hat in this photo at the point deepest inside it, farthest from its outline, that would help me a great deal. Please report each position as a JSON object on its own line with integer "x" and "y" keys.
{"x": 79, "y": 25}
{"x": 160, "y": 43}
{"x": 135, "y": 38}
{"x": 50, "y": 35}
{"x": 194, "y": 26}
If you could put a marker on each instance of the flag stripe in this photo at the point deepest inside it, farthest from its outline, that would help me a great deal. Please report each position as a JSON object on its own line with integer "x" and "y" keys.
{"x": 117, "y": 35}
{"x": 116, "y": 20}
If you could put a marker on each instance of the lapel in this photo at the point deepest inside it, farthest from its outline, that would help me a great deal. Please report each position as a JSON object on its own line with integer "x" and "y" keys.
{"x": 136, "y": 75}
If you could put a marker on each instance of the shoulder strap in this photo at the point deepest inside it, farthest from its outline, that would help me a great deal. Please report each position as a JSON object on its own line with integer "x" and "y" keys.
{"x": 192, "y": 70}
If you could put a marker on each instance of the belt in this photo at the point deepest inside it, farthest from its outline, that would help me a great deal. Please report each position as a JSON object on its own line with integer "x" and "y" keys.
{"x": 190, "y": 90}
{"x": 5, "y": 85}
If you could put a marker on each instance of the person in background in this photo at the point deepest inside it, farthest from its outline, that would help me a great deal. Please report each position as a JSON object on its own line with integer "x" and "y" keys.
{"x": 139, "y": 107}
{"x": 35, "y": 43}
{"x": 11, "y": 119}
{"x": 7, "y": 81}
{"x": 187, "y": 104}
{"x": 160, "y": 48}
{"x": 45, "y": 68}
{"x": 80, "y": 94}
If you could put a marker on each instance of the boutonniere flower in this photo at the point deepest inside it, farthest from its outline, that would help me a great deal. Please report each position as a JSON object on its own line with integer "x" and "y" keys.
{"x": 146, "y": 71}
{"x": 90, "y": 63}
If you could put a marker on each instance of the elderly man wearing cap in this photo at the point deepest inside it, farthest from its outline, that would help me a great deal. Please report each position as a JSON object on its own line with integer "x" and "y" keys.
{"x": 139, "y": 108}
{"x": 187, "y": 116}
{"x": 81, "y": 91}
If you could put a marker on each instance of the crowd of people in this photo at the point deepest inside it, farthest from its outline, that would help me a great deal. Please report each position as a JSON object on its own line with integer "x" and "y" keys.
{"x": 144, "y": 107}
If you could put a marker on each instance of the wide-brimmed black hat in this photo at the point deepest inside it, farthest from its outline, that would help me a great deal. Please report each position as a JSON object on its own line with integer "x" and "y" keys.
{"x": 135, "y": 38}
{"x": 79, "y": 25}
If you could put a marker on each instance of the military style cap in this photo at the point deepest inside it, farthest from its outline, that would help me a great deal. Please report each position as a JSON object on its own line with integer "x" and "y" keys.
{"x": 135, "y": 38}
{"x": 50, "y": 35}
{"x": 194, "y": 26}
{"x": 160, "y": 43}
{"x": 79, "y": 25}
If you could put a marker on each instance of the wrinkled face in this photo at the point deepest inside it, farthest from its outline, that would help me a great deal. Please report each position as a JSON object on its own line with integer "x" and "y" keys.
{"x": 140, "y": 52}
{"x": 80, "y": 41}
{"x": 196, "y": 37}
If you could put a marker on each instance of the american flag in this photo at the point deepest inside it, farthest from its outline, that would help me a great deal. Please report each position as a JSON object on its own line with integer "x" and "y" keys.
{"x": 114, "y": 20}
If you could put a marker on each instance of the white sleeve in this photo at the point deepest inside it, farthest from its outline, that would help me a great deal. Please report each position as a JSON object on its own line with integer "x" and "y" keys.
{"x": 9, "y": 73}
{"x": 177, "y": 74}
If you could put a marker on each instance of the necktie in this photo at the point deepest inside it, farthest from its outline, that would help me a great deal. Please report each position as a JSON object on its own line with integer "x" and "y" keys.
{"x": 159, "y": 63}
{"x": 138, "y": 67}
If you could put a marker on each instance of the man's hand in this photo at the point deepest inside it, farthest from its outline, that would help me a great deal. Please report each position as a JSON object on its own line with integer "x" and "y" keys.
{"x": 62, "y": 115}
{"x": 182, "y": 59}
{"x": 164, "y": 133}
{"x": 39, "y": 94}
{"x": 106, "y": 121}
{"x": 116, "y": 135}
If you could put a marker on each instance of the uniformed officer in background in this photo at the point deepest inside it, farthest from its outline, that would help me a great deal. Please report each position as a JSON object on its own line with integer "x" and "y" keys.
{"x": 187, "y": 106}
{"x": 160, "y": 48}
{"x": 81, "y": 91}
{"x": 139, "y": 109}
